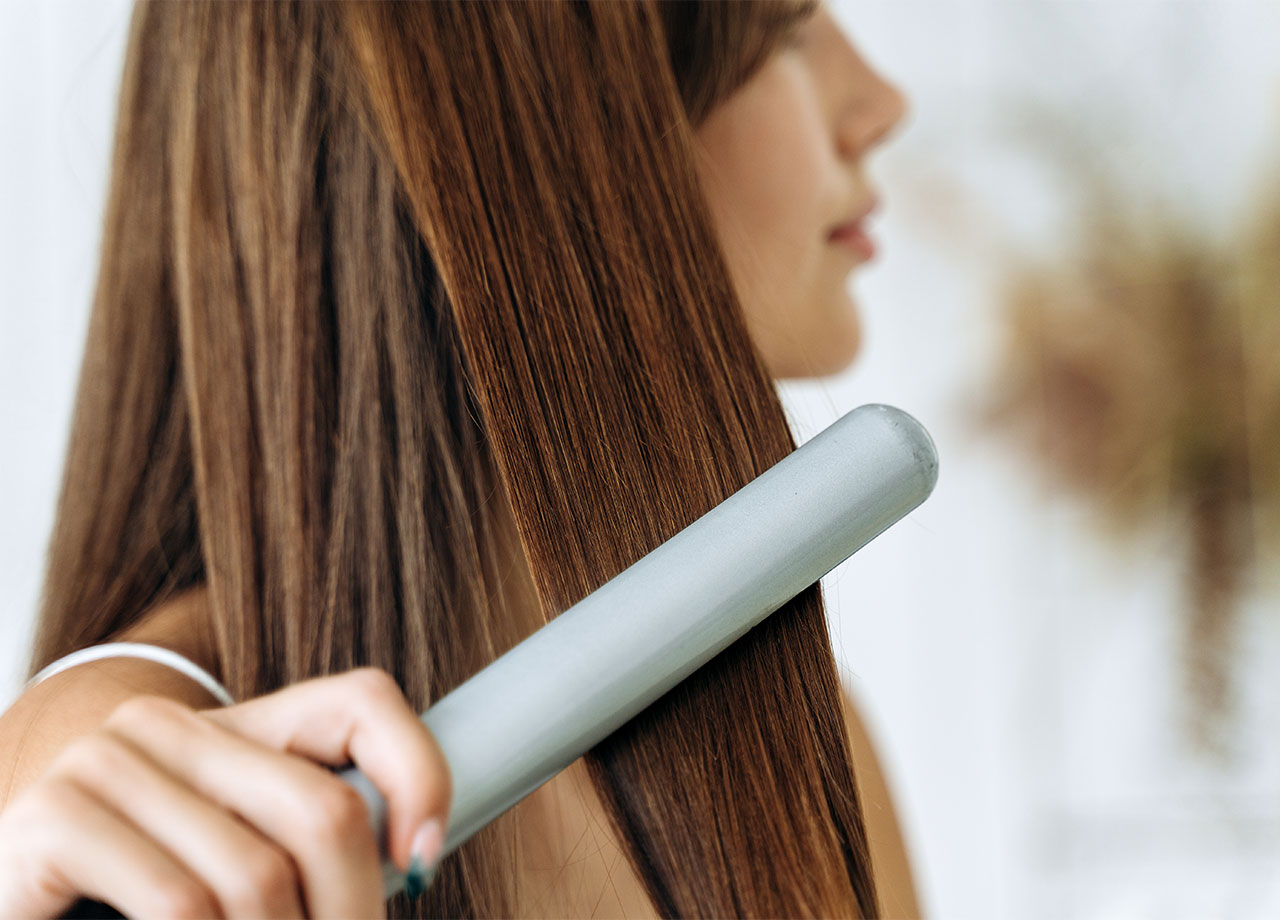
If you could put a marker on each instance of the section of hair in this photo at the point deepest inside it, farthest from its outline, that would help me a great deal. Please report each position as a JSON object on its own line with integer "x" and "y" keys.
{"x": 410, "y": 330}
{"x": 550, "y": 170}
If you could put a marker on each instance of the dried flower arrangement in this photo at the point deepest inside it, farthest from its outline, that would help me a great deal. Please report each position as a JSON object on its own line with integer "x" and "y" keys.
{"x": 1142, "y": 370}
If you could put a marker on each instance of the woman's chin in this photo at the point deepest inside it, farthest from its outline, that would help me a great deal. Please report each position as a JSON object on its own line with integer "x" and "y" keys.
{"x": 842, "y": 363}
{"x": 828, "y": 346}
{"x": 840, "y": 349}
{"x": 821, "y": 361}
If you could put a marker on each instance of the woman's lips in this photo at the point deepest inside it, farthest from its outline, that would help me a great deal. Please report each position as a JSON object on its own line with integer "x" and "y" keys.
{"x": 853, "y": 236}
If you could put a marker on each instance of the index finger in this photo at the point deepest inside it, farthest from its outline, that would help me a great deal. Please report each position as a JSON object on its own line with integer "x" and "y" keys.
{"x": 360, "y": 716}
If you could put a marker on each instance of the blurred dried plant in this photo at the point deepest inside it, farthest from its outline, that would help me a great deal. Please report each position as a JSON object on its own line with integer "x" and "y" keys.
{"x": 1143, "y": 372}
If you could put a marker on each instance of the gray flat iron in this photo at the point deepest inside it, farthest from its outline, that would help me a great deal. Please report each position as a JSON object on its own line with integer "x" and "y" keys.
{"x": 550, "y": 699}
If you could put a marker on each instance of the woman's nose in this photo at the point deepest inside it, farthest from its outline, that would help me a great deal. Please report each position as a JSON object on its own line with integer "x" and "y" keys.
{"x": 872, "y": 107}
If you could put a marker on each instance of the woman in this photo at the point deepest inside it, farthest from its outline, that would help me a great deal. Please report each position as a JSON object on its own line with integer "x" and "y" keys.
{"x": 414, "y": 325}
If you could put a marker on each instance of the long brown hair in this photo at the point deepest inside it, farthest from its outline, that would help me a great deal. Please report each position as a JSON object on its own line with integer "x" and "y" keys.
{"x": 411, "y": 329}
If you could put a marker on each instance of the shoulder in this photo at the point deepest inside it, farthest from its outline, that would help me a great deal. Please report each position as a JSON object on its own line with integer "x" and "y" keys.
{"x": 890, "y": 859}
{"x": 183, "y": 624}
{"x": 74, "y": 702}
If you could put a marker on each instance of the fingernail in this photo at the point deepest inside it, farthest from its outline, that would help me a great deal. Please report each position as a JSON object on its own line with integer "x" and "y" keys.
{"x": 424, "y": 854}
{"x": 417, "y": 879}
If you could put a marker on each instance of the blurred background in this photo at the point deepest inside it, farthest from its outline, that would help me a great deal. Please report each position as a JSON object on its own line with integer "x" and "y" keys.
{"x": 1067, "y": 654}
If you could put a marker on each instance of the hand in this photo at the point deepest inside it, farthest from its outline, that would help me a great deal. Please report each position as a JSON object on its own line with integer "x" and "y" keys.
{"x": 170, "y": 811}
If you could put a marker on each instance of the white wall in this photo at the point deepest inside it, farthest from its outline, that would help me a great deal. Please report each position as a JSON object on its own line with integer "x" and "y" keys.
{"x": 1023, "y": 674}
{"x": 59, "y": 68}
{"x": 1019, "y": 674}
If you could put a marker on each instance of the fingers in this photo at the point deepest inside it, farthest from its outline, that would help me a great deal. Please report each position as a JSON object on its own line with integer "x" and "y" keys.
{"x": 61, "y": 842}
{"x": 248, "y": 874}
{"x": 168, "y": 811}
{"x": 303, "y": 808}
{"x": 360, "y": 716}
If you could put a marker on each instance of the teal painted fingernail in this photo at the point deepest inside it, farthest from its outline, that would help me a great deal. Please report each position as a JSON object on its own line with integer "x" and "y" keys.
{"x": 418, "y": 878}
{"x": 428, "y": 843}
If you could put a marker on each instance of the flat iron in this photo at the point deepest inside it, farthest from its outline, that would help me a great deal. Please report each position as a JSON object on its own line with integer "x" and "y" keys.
{"x": 533, "y": 711}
